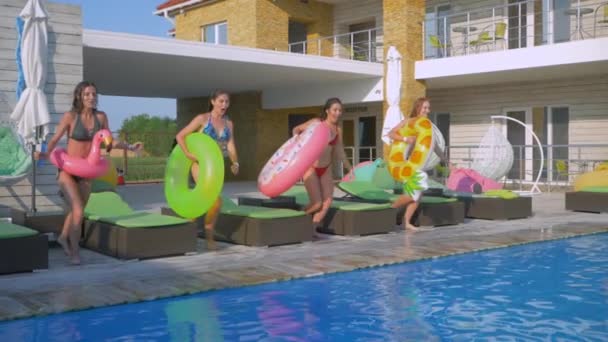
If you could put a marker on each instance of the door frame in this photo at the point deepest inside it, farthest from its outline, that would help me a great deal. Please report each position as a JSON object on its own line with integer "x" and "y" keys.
{"x": 356, "y": 148}
{"x": 528, "y": 139}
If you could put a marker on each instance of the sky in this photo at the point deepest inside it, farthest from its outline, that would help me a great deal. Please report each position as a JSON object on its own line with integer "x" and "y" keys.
{"x": 129, "y": 16}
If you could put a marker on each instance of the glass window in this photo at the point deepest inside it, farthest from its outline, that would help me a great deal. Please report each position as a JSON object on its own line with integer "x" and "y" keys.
{"x": 216, "y": 33}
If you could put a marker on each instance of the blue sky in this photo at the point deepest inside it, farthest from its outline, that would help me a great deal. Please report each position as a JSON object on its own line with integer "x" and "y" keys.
{"x": 130, "y": 16}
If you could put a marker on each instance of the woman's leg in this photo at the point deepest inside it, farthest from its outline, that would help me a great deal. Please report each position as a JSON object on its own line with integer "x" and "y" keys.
{"x": 71, "y": 193}
{"x": 327, "y": 194}
{"x": 62, "y": 239}
{"x": 407, "y": 217}
{"x": 210, "y": 220}
{"x": 313, "y": 188}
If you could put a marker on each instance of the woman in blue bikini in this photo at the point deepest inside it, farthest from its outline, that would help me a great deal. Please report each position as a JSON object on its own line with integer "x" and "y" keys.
{"x": 211, "y": 123}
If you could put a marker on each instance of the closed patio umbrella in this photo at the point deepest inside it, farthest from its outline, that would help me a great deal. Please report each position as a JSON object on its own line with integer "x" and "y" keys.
{"x": 32, "y": 110}
{"x": 393, "y": 93}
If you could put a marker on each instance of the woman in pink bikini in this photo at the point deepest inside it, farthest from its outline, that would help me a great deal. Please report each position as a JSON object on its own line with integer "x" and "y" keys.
{"x": 318, "y": 179}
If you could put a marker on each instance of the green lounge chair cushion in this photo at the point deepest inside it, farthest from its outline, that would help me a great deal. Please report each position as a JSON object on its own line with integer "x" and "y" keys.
{"x": 231, "y": 208}
{"x": 367, "y": 191}
{"x": 299, "y": 192}
{"x": 504, "y": 194}
{"x": 109, "y": 207}
{"x": 436, "y": 200}
{"x": 106, "y": 204}
{"x": 141, "y": 219}
{"x": 359, "y": 206}
{"x": 12, "y": 231}
{"x": 595, "y": 189}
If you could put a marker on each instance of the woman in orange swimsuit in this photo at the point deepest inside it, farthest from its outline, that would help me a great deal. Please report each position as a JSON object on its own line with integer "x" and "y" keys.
{"x": 318, "y": 179}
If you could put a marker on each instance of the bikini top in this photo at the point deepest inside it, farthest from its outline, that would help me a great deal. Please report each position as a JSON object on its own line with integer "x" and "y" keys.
{"x": 222, "y": 139}
{"x": 334, "y": 140}
{"x": 80, "y": 133}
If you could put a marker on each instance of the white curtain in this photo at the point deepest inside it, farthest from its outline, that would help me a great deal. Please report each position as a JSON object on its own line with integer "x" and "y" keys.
{"x": 393, "y": 93}
{"x": 32, "y": 110}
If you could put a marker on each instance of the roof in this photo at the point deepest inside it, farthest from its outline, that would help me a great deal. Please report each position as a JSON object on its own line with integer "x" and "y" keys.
{"x": 169, "y": 3}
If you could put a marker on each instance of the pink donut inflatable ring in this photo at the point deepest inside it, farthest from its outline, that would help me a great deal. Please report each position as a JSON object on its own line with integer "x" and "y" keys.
{"x": 93, "y": 166}
{"x": 290, "y": 161}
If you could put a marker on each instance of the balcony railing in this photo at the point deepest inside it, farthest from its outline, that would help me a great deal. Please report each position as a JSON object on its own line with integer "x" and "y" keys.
{"x": 561, "y": 165}
{"x": 513, "y": 26}
{"x": 363, "y": 45}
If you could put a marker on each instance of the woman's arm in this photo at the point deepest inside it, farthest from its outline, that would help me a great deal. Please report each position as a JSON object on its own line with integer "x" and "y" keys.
{"x": 123, "y": 145}
{"x": 61, "y": 129}
{"x": 394, "y": 133}
{"x": 339, "y": 152}
{"x": 234, "y": 158}
{"x": 301, "y": 128}
{"x": 193, "y": 126}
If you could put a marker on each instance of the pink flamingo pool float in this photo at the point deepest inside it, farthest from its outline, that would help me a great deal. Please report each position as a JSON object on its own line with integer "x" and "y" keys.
{"x": 93, "y": 166}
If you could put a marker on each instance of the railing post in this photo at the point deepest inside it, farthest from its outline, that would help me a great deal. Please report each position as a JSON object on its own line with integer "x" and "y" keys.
{"x": 494, "y": 26}
{"x": 369, "y": 45}
{"x": 519, "y": 24}
{"x": 467, "y": 32}
{"x": 445, "y": 36}
{"x": 352, "y": 48}
{"x": 125, "y": 163}
{"x": 319, "y": 47}
{"x": 334, "y": 46}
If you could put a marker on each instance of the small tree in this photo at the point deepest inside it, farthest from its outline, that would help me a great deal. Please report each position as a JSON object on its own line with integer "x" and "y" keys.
{"x": 156, "y": 133}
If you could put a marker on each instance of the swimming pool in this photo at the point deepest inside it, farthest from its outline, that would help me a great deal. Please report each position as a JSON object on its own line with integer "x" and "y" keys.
{"x": 546, "y": 291}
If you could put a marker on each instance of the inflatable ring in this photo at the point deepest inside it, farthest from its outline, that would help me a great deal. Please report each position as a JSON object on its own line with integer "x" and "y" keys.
{"x": 93, "y": 166}
{"x": 110, "y": 177}
{"x": 433, "y": 159}
{"x": 192, "y": 203}
{"x": 403, "y": 169}
{"x": 363, "y": 172}
{"x": 292, "y": 159}
{"x": 594, "y": 179}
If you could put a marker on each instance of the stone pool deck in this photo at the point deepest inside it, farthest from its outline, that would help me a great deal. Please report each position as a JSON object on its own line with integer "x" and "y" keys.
{"x": 103, "y": 281}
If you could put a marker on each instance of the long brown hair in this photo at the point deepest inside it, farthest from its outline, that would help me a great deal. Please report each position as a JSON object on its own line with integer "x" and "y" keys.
{"x": 330, "y": 102}
{"x": 77, "y": 105}
{"x": 216, "y": 93}
{"x": 417, "y": 107}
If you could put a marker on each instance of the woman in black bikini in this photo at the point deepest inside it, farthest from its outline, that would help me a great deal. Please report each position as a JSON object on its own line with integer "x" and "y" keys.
{"x": 318, "y": 179}
{"x": 80, "y": 123}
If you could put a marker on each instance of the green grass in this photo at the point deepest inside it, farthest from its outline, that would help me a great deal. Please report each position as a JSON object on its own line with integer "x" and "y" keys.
{"x": 142, "y": 168}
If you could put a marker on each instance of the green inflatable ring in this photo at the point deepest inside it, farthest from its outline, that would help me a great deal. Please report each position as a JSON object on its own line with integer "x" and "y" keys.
{"x": 191, "y": 203}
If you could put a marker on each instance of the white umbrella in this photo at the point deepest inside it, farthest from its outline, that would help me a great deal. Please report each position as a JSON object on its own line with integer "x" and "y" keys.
{"x": 32, "y": 110}
{"x": 393, "y": 93}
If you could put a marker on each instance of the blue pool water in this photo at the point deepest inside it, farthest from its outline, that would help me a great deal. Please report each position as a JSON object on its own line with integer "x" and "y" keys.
{"x": 539, "y": 292}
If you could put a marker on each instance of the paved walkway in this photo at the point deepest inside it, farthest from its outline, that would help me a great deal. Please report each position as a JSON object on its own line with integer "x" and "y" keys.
{"x": 105, "y": 281}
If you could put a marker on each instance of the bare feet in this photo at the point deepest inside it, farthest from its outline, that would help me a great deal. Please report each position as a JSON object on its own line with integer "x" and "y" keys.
{"x": 312, "y": 208}
{"x": 211, "y": 245}
{"x": 63, "y": 242}
{"x": 319, "y": 216}
{"x": 411, "y": 227}
{"x": 75, "y": 260}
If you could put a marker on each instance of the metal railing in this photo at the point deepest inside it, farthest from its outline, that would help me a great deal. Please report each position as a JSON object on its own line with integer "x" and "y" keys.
{"x": 562, "y": 162}
{"x": 513, "y": 26}
{"x": 365, "y": 45}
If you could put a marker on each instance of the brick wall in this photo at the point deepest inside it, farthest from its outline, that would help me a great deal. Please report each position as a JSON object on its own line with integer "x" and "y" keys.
{"x": 403, "y": 29}
{"x": 259, "y": 23}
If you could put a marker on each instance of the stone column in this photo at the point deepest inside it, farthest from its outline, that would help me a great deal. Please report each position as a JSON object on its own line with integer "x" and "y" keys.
{"x": 403, "y": 22}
